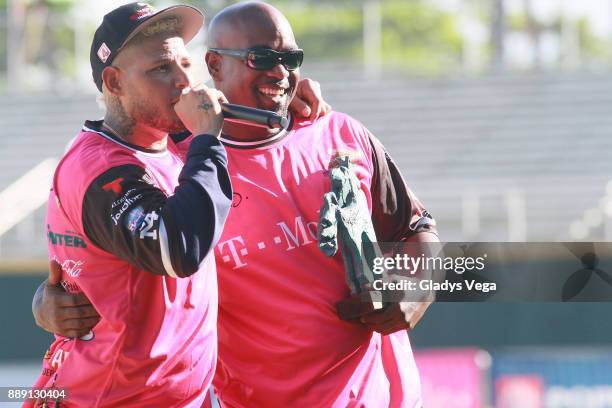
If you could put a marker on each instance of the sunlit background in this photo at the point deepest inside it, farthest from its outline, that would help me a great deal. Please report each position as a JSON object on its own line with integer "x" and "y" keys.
{"x": 499, "y": 113}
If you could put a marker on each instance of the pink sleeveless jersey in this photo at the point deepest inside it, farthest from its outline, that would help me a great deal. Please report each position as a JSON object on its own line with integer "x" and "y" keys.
{"x": 281, "y": 343}
{"x": 156, "y": 343}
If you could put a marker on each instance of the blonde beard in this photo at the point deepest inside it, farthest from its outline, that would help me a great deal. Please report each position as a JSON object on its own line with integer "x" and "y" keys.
{"x": 124, "y": 122}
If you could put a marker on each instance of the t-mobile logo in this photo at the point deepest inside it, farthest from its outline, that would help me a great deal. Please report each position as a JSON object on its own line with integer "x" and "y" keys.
{"x": 301, "y": 233}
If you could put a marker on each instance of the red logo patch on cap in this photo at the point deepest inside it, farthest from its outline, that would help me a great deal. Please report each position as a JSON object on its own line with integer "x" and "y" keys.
{"x": 104, "y": 52}
{"x": 146, "y": 10}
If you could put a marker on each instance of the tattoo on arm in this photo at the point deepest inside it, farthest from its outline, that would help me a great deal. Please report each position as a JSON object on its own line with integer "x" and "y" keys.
{"x": 206, "y": 106}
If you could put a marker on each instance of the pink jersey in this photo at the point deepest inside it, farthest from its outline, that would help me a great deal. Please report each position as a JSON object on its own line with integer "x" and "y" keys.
{"x": 281, "y": 342}
{"x": 156, "y": 343}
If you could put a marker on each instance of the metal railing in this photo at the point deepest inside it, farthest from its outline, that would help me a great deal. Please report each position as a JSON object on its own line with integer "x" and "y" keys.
{"x": 26, "y": 195}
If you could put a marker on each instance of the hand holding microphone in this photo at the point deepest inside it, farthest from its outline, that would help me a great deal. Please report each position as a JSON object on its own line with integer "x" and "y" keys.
{"x": 199, "y": 108}
{"x": 200, "y": 98}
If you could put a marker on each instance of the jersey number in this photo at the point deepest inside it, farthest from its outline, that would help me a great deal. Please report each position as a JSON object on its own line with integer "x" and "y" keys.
{"x": 147, "y": 225}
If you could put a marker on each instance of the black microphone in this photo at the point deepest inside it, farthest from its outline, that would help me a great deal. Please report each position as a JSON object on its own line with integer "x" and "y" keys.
{"x": 253, "y": 116}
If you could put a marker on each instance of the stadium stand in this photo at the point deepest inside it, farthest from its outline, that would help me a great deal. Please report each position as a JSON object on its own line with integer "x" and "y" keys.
{"x": 535, "y": 146}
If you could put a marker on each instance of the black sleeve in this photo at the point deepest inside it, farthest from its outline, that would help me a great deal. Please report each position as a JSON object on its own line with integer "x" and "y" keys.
{"x": 397, "y": 214}
{"x": 124, "y": 213}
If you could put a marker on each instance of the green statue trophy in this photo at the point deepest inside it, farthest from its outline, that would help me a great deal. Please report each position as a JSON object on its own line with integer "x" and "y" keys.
{"x": 345, "y": 218}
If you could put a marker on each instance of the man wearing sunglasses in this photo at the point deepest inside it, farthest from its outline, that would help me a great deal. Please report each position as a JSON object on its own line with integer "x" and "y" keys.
{"x": 280, "y": 341}
{"x": 263, "y": 59}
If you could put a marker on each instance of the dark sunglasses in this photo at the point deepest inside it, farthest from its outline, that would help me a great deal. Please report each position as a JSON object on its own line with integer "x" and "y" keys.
{"x": 263, "y": 59}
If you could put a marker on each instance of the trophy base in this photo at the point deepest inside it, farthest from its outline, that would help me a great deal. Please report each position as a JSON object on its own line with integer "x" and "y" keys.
{"x": 359, "y": 304}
